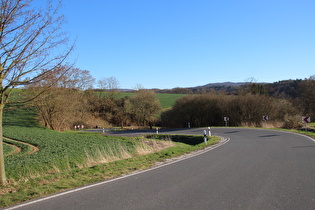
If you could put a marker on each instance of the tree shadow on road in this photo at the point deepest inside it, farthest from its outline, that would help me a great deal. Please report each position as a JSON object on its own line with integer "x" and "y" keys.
{"x": 267, "y": 136}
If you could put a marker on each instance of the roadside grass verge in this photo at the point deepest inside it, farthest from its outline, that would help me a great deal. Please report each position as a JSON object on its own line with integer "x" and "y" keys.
{"x": 16, "y": 192}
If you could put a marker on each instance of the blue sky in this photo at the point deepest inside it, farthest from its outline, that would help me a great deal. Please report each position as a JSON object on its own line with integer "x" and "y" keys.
{"x": 187, "y": 43}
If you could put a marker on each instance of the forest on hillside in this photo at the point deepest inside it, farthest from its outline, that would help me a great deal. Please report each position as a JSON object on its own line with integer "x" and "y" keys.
{"x": 281, "y": 89}
{"x": 284, "y": 102}
{"x": 73, "y": 103}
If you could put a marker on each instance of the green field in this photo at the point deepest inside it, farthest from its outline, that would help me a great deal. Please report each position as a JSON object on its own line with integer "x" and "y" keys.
{"x": 57, "y": 151}
{"x": 167, "y": 100}
{"x": 7, "y": 149}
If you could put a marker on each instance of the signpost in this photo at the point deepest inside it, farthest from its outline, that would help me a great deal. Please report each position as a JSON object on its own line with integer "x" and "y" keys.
{"x": 265, "y": 118}
{"x": 306, "y": 120}
{"x": 226, "y": 119}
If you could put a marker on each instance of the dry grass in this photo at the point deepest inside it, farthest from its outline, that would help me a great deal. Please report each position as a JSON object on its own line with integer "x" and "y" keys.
{"x": 268, "y": 124}
{"x": 106, "y": 155}
{"x": 102, "y": 155}
{"x": 249, "y": 124}
{"x": 54, "y": 169}
{"x": 273, "y": 124}
{"x": 148, "y": 146}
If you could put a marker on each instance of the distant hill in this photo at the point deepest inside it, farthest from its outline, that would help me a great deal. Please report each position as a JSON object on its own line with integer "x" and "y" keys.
{"x": 284, "y": 88}
{"x": 224, "y": 84}
{"x": 280, "y": 89}
{"x": 228, "y": 87}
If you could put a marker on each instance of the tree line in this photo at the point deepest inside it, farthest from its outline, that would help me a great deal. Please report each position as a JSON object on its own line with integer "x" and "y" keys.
{"x": 246, "y": 106}
{"x": 243, "y": 110}
{"x": 71, "y": 100}
{"x": 65, "y": 99}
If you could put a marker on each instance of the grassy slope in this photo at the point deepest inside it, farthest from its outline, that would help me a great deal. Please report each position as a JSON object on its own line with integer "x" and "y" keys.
{"x": 61, "y": 150}
{"x": 167, "y": 100}
{"x": 7, "y": 149}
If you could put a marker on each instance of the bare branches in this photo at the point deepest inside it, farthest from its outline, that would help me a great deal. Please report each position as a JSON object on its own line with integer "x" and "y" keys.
{"x": 28, "y": 42}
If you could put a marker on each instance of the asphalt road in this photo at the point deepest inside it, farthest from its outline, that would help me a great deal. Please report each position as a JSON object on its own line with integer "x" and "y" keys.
{"x": 256, "y": 169}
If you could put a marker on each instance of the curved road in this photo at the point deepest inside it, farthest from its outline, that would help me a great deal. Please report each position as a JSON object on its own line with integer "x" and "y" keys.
{"x": 256, "y": 169}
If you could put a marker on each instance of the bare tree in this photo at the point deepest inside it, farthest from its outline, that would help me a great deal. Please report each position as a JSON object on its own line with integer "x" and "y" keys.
{"x": 110, "y": 85}
{"x": 122, "y": 111}
{"x": 145, "y": 107}
{"x": 53, "y": 107}
{"x": 138, "y": 87}
{"x": 307, "y": 96}
{"x": 30, "y": 48}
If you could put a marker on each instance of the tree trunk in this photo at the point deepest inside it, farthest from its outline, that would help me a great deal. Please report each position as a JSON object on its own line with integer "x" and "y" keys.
{"x": 3, "y": 179}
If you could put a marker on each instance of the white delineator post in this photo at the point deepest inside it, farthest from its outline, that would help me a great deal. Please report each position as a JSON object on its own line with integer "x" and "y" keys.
{"x": 209, "y": 131}
{"x": 205, "y": 136}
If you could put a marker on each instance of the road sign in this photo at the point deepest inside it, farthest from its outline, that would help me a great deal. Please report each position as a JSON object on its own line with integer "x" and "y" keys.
{"x": 226, "y": 120}
{"x": 265, "y": 117}
{"x": 306, "y": 119}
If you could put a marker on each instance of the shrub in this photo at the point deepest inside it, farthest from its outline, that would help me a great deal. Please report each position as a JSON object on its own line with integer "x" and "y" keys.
{"x": 243, "y": 110}
{"x": 293, "y": 121}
